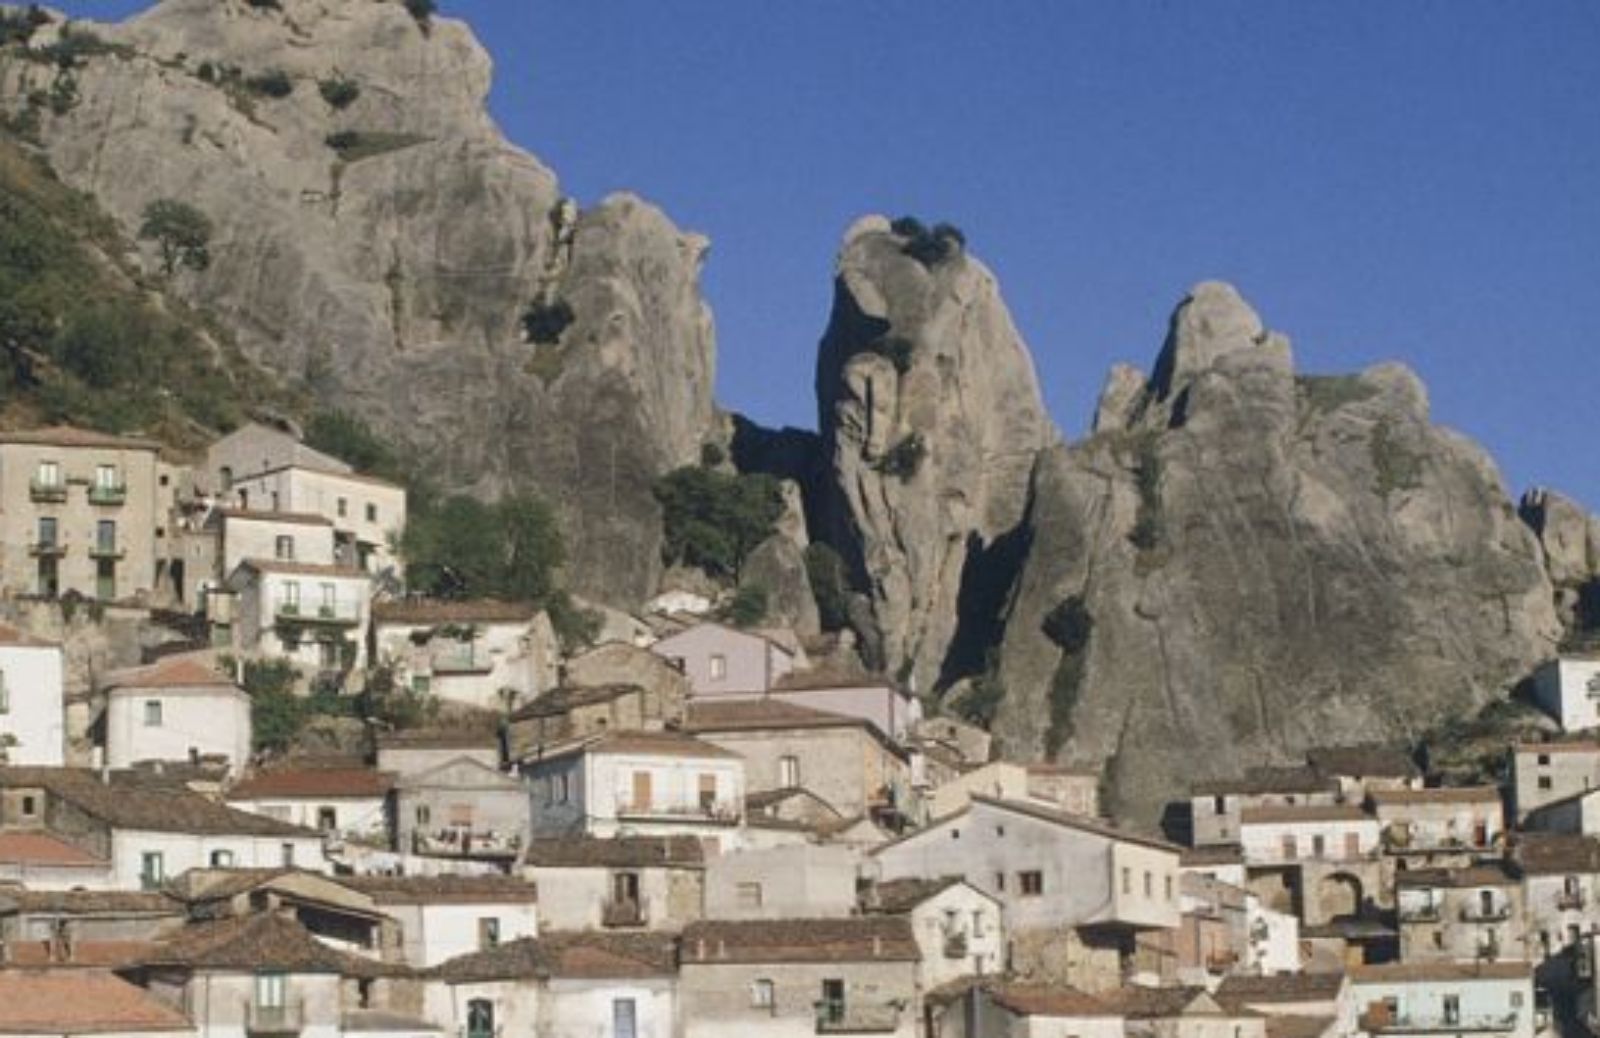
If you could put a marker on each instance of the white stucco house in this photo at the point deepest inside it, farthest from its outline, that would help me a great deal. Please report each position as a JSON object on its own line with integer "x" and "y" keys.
{"x": 443, "y": 917}
{"x": 480, "y": 653}
{"x": 722, "y": 660}
{"x": 343, "y": 803}
{"x": 178, "y": 709}
{"x": 1406, "y": 999}
{"x": 32, "y": 718}
{"x": 315, "y": 616}
{"x": 1568, "y": 689}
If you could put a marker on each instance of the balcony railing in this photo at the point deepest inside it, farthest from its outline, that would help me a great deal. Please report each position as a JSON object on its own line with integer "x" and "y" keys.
{"x": 459, "y": 663}
{"x": 1381, "y": 1023}
{"x": 47, "y": 549}
{"x": 52, "y": 490}
{"x": 343, "y": 613}
{"x": 107, "y": 494}
{"x": 106, "y": 550}
{"x": 1485, "y": 913}
{"x": 623, "y": 912}
{"x": 1570, "y": 900}
{"x": 955, "y": 945}
{"x": 858, "y": 1017}
{"x": 269, "y": 1020}
{"x": 1419, "y": 913}
{"x": 717, "y": 813}
{"x": 467, "y": 843}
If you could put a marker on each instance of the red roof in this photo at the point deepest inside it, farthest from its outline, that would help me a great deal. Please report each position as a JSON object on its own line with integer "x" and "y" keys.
{"x": 71, "y": 436}
{"x": 262, "y": 515}
{"x": 12, "y": 636}
{"x": 41, "y": 849}
{"x": 314, "y": 782}
{"x": 84, "y": 954}
{"x": 173, "y": 672}
{"x": 77, "y": 1001}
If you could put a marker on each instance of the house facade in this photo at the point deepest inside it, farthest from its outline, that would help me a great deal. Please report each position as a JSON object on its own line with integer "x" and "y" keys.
{"x": 1543, "y": 773}
{"x": 1473, "y": 914}
{"x": 32, "y": 703}
{"x": 624, "y": 883}
{"x": 342, "y": 803}
{"x": 312, "y": 615}
{"x": 462, "y": 808}
{"x": 721, "y": 660}
{"x": 179, "y": 709}
{"x": 1416, "y": 999}
{"x": 1568, "y": 689}
{"x": 482, "y": 654}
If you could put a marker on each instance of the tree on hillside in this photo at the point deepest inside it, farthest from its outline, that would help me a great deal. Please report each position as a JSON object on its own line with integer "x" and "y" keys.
{"x": 463, "y": 547}
{"x": 182, "y": 232}
{"x": 713, "y": 519}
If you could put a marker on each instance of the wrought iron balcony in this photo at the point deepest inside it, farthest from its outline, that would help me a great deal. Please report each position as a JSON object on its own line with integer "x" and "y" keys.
{"x": 344, "y": 614}
{"x": 467, "y": 843}
{"x": 108, "y": 494}
{"x": 623, "y": 912}
{"x": 1497, "y": 913}
{"x": 47, "y": 549}
{"x": 47, "y": 491}
{"x": 106, "y": 550}
{"x": 852, "y": 1017}
{"x": 274, "y": 1020}
{"x": 1419, "y": 913}
{"x": 715, "y": 813}
{"x": 1382, "y": 1023}
{"x": 1570, "y": 900}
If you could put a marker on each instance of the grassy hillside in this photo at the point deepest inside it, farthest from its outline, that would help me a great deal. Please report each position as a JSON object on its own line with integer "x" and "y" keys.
{"x": 85, "y": 338}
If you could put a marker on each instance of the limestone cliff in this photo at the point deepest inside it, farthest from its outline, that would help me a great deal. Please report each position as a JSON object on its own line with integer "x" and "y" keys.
{"x": 377, "y": 240}
{"x": 931, "y": 419}
{"x": 1247, "y": 562}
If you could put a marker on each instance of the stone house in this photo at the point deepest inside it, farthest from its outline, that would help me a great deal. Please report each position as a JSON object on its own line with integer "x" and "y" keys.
{"x": 621, "y": 663}
{"x": 1417, "y": 999}
{"x": 462, "y": 808}
{"x": 1216, "y": 808}
{"x": 720, "y": 660}
{"x": 1546, "y": 772}
{"x": 42, "y": 861}
{"x": 577, "y": 711}
{"x": 801, "y": 881}
{"x": 79, "y": 511}
{"x": 892, "y": 710}
{"x": 562, "y": 984}
{"x": 1568, "y": 689}
{"x": 443, "y": 917}
{"x": 1462, "y": 915}
{"x": 846, "y": 761}
{"x": 414, "y": 751}
{"x": 1073, "y": 789}
{"x": 32, "y": 703}
{"x": 797, "y": 977}
{"x": 1213, "y": 937}
{"x": 1439, "y": 826}
{"x": 314, "y": 616}
{"x": 959, "y": 929}
{"x": 1320, "y": 862}
{"x": 1363, "y": 770}
{"x": 343, "y": 919}
{"x": 1560, "y": 895}
{"x": 621, "y": 883}
{"x": 638, "y": 783}
{"x": 1293, "y": 996}
{"x": 481, "y": 653}
{"x": 280, "y": 536}
{"x": 1578, "y": 813}
{"x": 343, "y": 803}
{"x": 1008, "y": 1009}
{"x": 1181, "y": 1012}
{"x": 81, "y": 1002}
{"x": 131, "y": 919}
{"x": 179, "y": 709}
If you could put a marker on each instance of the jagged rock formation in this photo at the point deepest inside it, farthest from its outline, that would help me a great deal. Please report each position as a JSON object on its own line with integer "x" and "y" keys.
{"x": 1570, "y": 538}
{"x": 931, "y": 419}
{"x": 383, "y": 251}
{"x": 1248, "y": 562}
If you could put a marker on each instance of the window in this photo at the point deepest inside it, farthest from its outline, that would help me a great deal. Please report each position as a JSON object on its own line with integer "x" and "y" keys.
{"x": 719, "y": 666}
{"x": 105, "y": 536}
{"x": 372, "y": 513}
{"x": 761, "y": 994}
{"x": 227, "y": 477}
{"x": 1438, "y": 939}
{"x": 291, "y": 594}
{"x": 1452, "y": 1009}
{"x": 999, "y": 830}
{"x": 48, "y": 475}
{"x": 1291, "y": 849}
{"x": 788, "y": 772}
{"x": 222, "y": 859}
{"x": 105, "y": 477}
{"x": 152, "y": 870}
{"x": 1516, "y": 1000}
{"x": 1149, "y": 884}
{"x": 329, "y": 599}
{"x": 342, "y": 506}
{"x": 47, "y": 531}
{"x": 271, "y": 990}
{"x": 624, "y": 1018}
{"x": 563, "y": 789}
{"x": 643, "y": 793}
{"x": 1486, "y": 902}
{"x": 1000, "y": 881}
{"x": 152, "y": 713}
{"x": 1352, "y": 845}
{"x": 288, "y": 855}
{"x": 748, "y": 895}
{"x": 1544, "y": 759}
{"x": 1319, "y": 846}
{"x": 30, "y": 806}
{"x": 480, "y": 1018}
{"x": 488, "y": 932}
{"x": 977, "y": 922}
{"x": 1127, "y": 880}
{"x": 1031, "y": 883}
{"x": 830, "y": 1009}
{"x": 283, "y": 548}
{"x": 1219, "y": 805}
{"x": 1169, "y": 888}
{"x": 5, "y": 695}
{"x": 328, "y": 655}
{"x": 105, "y": 579}
{"x": 275, "y": 505}
{"x": 422, "y": 814}
{"x": 1544, "y": 781}
{"x": 327, "y": 819}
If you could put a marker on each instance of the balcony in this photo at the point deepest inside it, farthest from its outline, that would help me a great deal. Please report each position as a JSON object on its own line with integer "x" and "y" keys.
{"x": 47, "y": 549}
{"x": 106, "y": 550}
{"x": 713, "y": 814}
{"x": 623, "y": 913}
{"x": 1486, "y": 913}
{"x": 1419, "y": 913}
{"x": 459, "y": 663}
{"x": 858, "y": 1017}
{"x": 342, "y": 614}
{"x": 108, "y": 494}
{"x": 273, "y": 1020}
{"x": 467, "y": 843}
{"x": 1383, "y": 1023}
{"x": 955, "y": 945}
{"x": 1570, "y": 901}
{"x": 53, "y": 492}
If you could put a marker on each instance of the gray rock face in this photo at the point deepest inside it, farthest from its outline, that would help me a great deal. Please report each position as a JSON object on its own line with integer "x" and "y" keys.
{"x": 931, "y": 419}
{"x": 1253, "y": 563}
{"x": 1570, "y": 539}
{"x": 390, "y": 276}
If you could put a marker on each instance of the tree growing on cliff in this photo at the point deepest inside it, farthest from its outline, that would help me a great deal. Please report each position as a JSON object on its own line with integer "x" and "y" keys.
{"x": 180, "y": 231}
{"x": 713, "y": 519}
{"x": 463, "y": 547}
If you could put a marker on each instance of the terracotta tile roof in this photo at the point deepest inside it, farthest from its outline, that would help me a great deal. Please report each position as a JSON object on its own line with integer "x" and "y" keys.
{"x": 1303, "y": 813}
{"x": 898, "y": 896}
{"x": 1048, "y": 1000}
{"x": 263, "y": 515}
{"x": 441, "y": 890}
{"x": 599, "y": 956}
{"x": 618, "y": 852}
{"x": 72, "y": 436}
{"x": 885, "y": 938}
{"x": 1079, "y": 822}
{"x": 440, "y": 739}
{"x": 83, "y": 954}
{"x": 762, "y": 715}
{"x": 1497, "y": 874}
{"x": 1140, "y": 1003}
{"x": 438, "y": 611}
{"x": 1262, "y": 780}
{"x": 317, "y": 783}
{"x": 1201, "y": 857}
{"x": 1408, "y": 972}
{"x": 1369, "y": 761}
{"x": 558, "y": 701}
{"x": 654, "y": 744}
{"x": 1284, "y": 987}
{"x": 822, "y": 678}
{"x": 80, "y": 1002}
{"x": 172, "y": 672}
{"x": 1438, "y": 795}
{"x": 42, "y": 849}
{"x": 149, "y": 804}
{"x": 1284, "y": 1025}
{"x": 267, "y": 941}
{"x": 17, "y": 638}
{"x": 1582, "y": 743}
{"x": 89, "y": 902}
{"x": 1541, "y": 854}
{"x": 301, "y": 569}
{"x": 1065, "y": 770}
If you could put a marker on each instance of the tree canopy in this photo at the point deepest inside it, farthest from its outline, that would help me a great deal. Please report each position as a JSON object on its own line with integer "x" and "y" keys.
{"x": 182, "y": 232}
{"x": 713, "y": 519}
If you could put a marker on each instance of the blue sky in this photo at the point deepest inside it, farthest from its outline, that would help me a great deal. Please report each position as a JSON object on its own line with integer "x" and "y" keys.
{"x": 1416, "y": 181}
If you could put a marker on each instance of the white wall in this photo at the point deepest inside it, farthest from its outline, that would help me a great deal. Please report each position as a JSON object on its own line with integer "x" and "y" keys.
{"x": 1562, "y": 687}
{"x": 582, "y": 1008}
{"x": 1422, "y": 1001}
{"x": 449, "y": 930}
{"x": 366, "y": 816}
{"x": 958, "y": 910}
{"x": 35, "y": 712}
{"x": 1264, "y": 842}
{"x": 183, "y": 851}
{"x": 205, "y": 720}
{"x": 252, "y": 538}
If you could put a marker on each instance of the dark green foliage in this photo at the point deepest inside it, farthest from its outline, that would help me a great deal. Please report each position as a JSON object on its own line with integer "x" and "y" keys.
{"x": 904, "y": 459}
{"x": 265, "y": 5}
{"x": 982, "y": 702}
{"x": 271, "y": 83}
{"x": 350, "y": 439}
{"x": 276, "y": 713}
{"x": 1070, "y": 626}
{"x": 462, "y": 547}
{"x": 748, "y": 607}
{"x": 207, "y": 72}
{"x": 75, "y": 47}
{"x": 713, "y": 519}
{"x": 422, "y": 10}
{"x": 355, "y": 145}
{"x": 929, "y": 247}
{"x": 543, "y": 322}
{"x": 339, "y": 92}
{"x": 1148, "y": 534}
{"x": 712, "y": 455}
{"x": 1397, "y": 468}
{"x": 830, "y": 585}
{"x": 394, "y": 706}
{"x": 182, "y": 232}
{"x": 19, "y": 26}
{"x": 576, "y": 628}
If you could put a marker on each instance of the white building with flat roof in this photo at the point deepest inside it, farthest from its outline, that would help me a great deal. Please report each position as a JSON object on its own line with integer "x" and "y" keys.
{"x": 32, "y": 718}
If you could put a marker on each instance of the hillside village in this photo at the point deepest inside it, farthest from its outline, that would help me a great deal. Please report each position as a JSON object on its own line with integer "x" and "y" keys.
{"x": 682, "y": 827}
